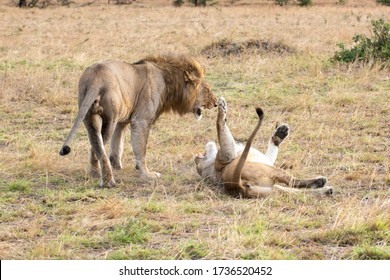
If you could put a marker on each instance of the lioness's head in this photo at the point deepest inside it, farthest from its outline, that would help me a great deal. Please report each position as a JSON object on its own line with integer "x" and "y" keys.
{"x": 205, "y": 162}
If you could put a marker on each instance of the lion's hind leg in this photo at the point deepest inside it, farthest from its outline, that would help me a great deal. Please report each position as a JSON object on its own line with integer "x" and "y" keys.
{"x": 117, "y": 146}
{"x": 94, "y": 164}
{"x": 94, "y": 124}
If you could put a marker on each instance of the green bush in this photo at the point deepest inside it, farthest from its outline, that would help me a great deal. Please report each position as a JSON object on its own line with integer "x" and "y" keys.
{"x": 198, "y": 3}
{"x": 384, "y": 2}
{"x": 178, "y": 3}
{"x": 281, "y": 2}
{"x": 376, "y": 48}
{"x": 304, "y": 2}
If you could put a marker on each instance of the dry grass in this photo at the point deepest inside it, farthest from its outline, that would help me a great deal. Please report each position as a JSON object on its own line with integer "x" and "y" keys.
{"x": 51, "y": 209}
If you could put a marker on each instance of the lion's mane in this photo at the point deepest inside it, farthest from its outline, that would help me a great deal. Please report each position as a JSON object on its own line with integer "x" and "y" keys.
{"x": 178, "y": 70}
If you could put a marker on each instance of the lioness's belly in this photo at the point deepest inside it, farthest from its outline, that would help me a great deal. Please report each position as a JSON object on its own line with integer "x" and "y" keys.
{"x": 254, "y": 156}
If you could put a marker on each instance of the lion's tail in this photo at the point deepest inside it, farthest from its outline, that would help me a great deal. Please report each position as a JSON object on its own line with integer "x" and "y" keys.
{"x": 90, "y": 97}
{"x": 241, "y": 162}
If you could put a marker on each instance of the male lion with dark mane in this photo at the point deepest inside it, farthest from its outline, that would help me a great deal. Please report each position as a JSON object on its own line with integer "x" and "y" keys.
{"x": 114, "y": 94}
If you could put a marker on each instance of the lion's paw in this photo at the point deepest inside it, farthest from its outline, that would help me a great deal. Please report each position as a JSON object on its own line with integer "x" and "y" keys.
{"x": 108, "y": 184}
{"x": 150, "y": 176}
{"x": 95, "y": 172}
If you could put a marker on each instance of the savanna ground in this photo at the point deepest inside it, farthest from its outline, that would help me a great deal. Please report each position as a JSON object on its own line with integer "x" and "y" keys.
{"x": 339, "y": 115}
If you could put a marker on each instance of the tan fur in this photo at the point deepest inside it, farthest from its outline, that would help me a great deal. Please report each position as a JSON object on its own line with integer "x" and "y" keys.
{"x": 249, "y": 173}
{"x": 114, "y": 94}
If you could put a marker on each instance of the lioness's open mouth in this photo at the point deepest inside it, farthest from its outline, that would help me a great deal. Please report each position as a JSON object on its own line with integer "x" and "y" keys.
{"x": 200, "y": 157}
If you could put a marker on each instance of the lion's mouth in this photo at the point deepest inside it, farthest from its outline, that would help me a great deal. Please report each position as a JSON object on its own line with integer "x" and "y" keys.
{"x": 198, "y": 113}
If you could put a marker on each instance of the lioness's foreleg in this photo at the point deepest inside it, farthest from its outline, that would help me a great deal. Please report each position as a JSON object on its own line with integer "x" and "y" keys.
{"x": 139, "y": 140}
{"x": 94, "y": 123}
{"x": 280, "y": 134}
{"x": 227, "y": 151}
{"x": 116, "y": 145}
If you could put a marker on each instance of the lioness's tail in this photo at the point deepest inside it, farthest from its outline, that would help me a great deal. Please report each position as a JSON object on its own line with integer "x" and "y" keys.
{"x": 241, "y": 162}
{"x": 90, "y": 96}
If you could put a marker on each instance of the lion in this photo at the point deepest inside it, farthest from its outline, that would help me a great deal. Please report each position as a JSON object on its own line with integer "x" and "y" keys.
{"x": 115, "y": 94}
{"x": 245, "y": 171}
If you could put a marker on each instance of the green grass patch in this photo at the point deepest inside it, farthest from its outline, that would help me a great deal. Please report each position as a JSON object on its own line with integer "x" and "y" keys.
{"x": 193, "y": 250}
{"x": 370, "y": 253}
{"x": 132, "y": 232}
{"x": 138, "y": 253}
{"x": 19, "y": 185}
{"x": 356, "y": 235}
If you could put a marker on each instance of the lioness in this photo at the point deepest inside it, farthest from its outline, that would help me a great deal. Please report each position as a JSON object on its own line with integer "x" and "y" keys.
{"x": 246, "y": 172}
{"x": 114, "y": 94}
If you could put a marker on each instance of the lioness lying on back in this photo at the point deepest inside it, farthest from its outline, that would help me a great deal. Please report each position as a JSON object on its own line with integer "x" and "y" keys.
{"x": 246, "y": 172}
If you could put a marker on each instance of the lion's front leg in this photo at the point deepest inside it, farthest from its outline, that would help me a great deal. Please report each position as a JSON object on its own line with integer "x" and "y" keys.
{"x": 227, "y": 151}
{"x": 139, "y": 140}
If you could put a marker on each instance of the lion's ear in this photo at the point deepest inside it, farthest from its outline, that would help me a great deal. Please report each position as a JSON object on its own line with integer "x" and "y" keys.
{"x": 190, "y": 76}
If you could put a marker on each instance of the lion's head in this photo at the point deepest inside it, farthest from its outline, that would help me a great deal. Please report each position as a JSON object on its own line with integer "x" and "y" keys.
{"x": 205, "y": 99}
{"x": 186, "y": 90}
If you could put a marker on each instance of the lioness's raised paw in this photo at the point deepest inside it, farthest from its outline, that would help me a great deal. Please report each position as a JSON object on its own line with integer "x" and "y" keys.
{"x": 222, "y": 105}
{"x": 280, "y": 133}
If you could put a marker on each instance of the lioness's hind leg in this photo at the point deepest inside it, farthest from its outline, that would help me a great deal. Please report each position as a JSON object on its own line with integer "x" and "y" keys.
{"x": 280, "y": 134}
{"x": 281, "y": 176}
{"x": 325, "y": 191}
{"x": 314, "y": 183}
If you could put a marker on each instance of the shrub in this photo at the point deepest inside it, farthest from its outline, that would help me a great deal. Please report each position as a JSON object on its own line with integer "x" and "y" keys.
{"x": 304, "y": 2}
{"x": 281, "y": 2}
{"x": 178, "y": 3}
{"x": 384, "y": 2}
{"x": 198, "y": 2}
{"x": 367, "y": 49}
